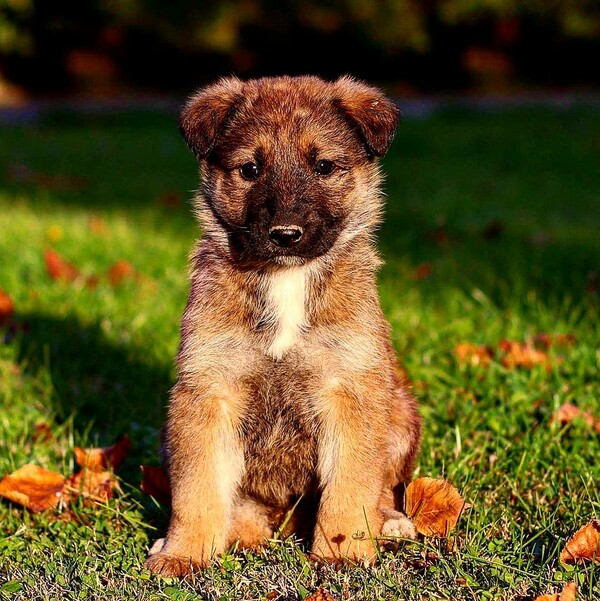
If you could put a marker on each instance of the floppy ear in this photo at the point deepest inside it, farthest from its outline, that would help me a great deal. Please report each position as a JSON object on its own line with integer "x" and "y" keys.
{"x": 372, "y": 114}
{"x": 205, "y": 113}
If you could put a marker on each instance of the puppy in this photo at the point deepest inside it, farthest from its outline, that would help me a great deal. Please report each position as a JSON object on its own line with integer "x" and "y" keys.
{"x": 288, "y": 395}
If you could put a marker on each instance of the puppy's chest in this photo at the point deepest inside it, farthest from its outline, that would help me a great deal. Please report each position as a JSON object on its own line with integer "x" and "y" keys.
{"x": 280, "y": 434}
{"x": 283, "y": 317}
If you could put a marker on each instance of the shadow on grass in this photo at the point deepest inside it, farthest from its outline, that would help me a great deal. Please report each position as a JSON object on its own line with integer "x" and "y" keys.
{"x": 104, "y": 387}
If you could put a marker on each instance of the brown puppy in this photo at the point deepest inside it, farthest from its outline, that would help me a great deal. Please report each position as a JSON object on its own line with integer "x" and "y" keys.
{"x": 288, "y": 389}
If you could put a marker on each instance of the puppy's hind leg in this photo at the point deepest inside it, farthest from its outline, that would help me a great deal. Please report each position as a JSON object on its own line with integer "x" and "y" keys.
{"x": 251, "y": 524}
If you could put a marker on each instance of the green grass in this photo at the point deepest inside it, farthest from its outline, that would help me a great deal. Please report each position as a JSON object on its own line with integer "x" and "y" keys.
{"x": 94, "y": 364}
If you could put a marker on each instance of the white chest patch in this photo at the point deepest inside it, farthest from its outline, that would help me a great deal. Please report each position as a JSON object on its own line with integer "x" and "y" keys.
{"x": 286, "y": 298}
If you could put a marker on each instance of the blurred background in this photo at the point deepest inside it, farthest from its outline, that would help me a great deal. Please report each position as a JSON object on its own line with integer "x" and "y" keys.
{"x": 490, "y": 242}
{"x": 111, "y": 48}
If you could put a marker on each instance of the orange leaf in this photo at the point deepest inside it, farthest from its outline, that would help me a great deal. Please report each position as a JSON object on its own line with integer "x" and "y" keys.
{"x": 155, "y": 483}
{"x": 545, "y": 341}
{"x": 170, "y": 199}
{"x": 119, "y": 272}
{"x": 7, "y": 306}
{"x": 568, "y": 412}
{"x": 433, "y": 505}
{"x": 58, "y": 268}
{"x": 96, "y": 225}
{"x": 423, "y": 271}
{"x": 584, "y": 545}
{"x": 33, "y": 487}
{"x": 320, "y": 595}
{"x": 41, "y": 433}
{"x": 473, "y": 354}
{"x": 568, "y": 594}
{"x": 95, "y": 485}
{"x": 519, "y": 354}
{"x": 99, "y": 459}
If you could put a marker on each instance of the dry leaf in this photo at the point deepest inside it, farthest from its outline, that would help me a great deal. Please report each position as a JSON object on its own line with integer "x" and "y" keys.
{"x": 7, "y": 307}
{"x": 320, "y": 595}
{"x": 21, "y": 173}
{"x": 119, "y": 272}
{"x": 423, "y": 271}
{"x": 433, "y": 505}
{"x": 568, "y": 594}
{"x": 568, "y": 412}
{"x": 545, "y": 341}
{"x": 96, "y": 225}
{"x": 524, "y": 354}
{"x": 33, "y": 487}
{"x": 100, "y": 459}
{"x": 42, "y": 433}
{"x": 473, "y": 354}
{"x": 584, "y": 545}
{"x": 155, "y": 482}
{"x": 97, "y": 486}
{"x": 58, "y": 268}
{"x": 170, "y": 199}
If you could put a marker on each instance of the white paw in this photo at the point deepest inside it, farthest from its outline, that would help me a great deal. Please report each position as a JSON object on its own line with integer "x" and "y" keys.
{"x": 157, "y": 547}
{"x": 397, "y": 526}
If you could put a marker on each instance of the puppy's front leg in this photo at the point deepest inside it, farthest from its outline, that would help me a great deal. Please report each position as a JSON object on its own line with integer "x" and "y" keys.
{"x": 205, "y": 466}
{"x": 351, "y": 471}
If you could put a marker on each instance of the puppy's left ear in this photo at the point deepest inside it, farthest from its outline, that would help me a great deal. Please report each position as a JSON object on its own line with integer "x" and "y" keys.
{"x": 206, "y": 112}
{"x": 373, "y": 115}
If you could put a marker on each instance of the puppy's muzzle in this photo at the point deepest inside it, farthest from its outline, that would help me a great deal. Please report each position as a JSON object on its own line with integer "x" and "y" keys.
{"x": 285, "y": 235}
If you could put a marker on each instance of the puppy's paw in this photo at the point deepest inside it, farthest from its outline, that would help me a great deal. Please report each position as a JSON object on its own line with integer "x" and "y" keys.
{"x": 340, "y": 549}
{"x": 170, "y": 566}
{"x": 396, "y": 526}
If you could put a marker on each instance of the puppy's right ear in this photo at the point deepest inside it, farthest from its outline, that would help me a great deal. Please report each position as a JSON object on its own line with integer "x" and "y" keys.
{"x": 205, "y": 114}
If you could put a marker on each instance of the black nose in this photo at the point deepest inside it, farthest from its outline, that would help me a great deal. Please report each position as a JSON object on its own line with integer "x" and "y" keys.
{"x": 285, "y": 235}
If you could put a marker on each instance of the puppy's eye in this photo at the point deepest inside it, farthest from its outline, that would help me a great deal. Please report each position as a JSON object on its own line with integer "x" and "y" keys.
{"x": 324, "y": 167}
{"x": 249, "y": 171}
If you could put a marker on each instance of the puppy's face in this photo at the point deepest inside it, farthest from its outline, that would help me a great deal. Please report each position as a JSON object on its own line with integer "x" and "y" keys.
{"x": 288, "y": 164}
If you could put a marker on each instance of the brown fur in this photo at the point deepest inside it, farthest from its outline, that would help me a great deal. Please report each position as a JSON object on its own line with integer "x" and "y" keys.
{"x": 283, "y": 397}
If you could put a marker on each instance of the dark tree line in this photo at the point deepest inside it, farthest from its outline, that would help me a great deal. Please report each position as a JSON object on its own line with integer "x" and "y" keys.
{"x": 57, "y": 45}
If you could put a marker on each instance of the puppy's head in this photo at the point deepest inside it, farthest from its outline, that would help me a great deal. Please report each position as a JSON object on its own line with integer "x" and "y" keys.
{"x": 288, "y": 164}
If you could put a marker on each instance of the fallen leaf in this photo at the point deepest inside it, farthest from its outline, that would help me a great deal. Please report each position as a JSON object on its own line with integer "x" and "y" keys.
{"x": 41, "y": 433}
{"x": 568, "y": 594}
{"x": 58, "y": 268}
{"x": 569, "y": 412}
{"x": 59, "y": 182}
{"x": 92, "y": 281}
{"x": 96, "y": 225}
{"x": 320, "y": 595}
{"x": 423, "y": 271}
{"x": 33, "y": 487}
{"x": 523, "y": 354}
{"x": 119, "y": 272}
{"x": 7, "y": 307}
{"x": 170, "y": 199}
{"x": 100, "y": 459}
{"x": 545, "y": 341}
{"x": 584, "y": 545}
{"x": 473, "y": 354}
{"x": 434, "y": 505}
{"x": 440, "y": 236}
{"x": 97, "y": 486}
{"x": 155, "y": 483}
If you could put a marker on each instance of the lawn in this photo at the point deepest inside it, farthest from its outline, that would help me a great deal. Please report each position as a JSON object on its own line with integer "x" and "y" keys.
{"x": 492, "y": 232}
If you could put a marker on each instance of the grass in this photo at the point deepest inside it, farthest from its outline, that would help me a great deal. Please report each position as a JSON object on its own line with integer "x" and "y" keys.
{"x": 96, "y": 363}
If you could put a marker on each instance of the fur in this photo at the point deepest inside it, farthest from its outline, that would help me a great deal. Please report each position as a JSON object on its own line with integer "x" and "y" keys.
{"x": 288, "y": 395}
